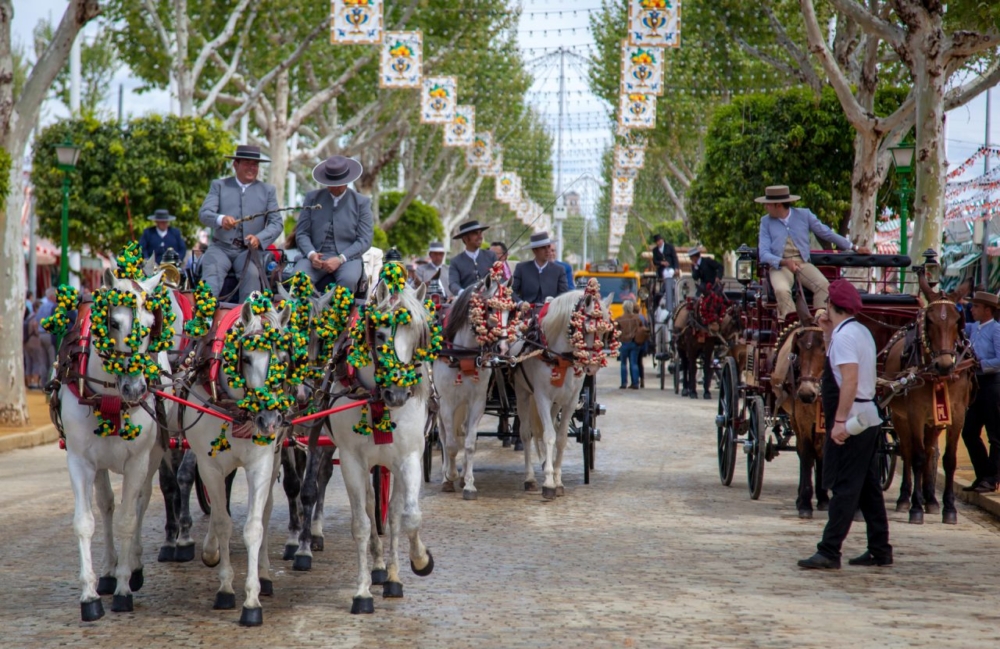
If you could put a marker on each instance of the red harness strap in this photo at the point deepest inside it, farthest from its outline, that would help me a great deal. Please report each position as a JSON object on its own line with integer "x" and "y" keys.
{"x": 187, "y": 312}
{"x": 377, "y": 410}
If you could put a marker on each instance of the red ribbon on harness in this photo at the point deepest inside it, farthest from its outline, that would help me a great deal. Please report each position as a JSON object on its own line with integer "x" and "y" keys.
{"x": 377, "y": 410}
{"x": 111, "y": 409}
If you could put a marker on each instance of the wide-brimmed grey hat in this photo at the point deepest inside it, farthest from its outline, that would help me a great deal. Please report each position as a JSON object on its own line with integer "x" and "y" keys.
{"x": 248, "y": 152}
{"x": 436, "y": 246}
{"x": 540, "y": 240}
{"x": 694, "y": 252}
{"x": 162, "y": 215}
{"x": 337, "y": 171}
{"x": 777, "y": 194}
{"x": 468, "y": 227}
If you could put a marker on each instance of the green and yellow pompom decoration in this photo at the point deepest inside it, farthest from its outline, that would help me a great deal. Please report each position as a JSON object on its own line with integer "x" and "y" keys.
{"x": 129, "y": 262}
{"x": 384, "y": 425}
{"x": 393, "y": 275}
{"x": 205, "y": 305}
{"x": 220, "y": 444}
{"x": 106, "y": 428}
{"x": 160, "y": 303}
{"x": 67, "y": 299}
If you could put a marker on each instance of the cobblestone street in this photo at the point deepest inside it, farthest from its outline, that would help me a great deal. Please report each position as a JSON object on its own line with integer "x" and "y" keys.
{"x": 653, "y": 553}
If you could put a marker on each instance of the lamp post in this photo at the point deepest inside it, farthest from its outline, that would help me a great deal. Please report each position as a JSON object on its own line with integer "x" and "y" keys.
{"x": 902, "y": 160}
{"x": 67, "y": 154}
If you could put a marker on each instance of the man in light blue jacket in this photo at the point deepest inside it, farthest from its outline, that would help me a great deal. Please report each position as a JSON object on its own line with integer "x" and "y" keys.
{"x": 784, "y": 246}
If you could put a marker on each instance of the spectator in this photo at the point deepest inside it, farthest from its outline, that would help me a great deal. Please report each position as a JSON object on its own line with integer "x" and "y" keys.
{"x": 499, "y": 249}
{"x": 156, "y": 240}
{"x": 984, "y": 411}
{"x": 35, "y": 368}
{"x": 562, "y": 264}
{"x": 45, "y": 309}
{"x": 629, "y": 323}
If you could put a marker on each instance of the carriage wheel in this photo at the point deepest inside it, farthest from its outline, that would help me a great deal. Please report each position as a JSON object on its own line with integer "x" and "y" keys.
{"x": 661, "y": 353}
{"x": 886, "y": 454}
{"x": 586, "y": 431}
{"x": 725, "y": 423}
{"x": 429, "y": 444}
{"x": 677, "y": 373}
{"x": 382, "y": 482}
{"x": 757, "y": 447}
{"x": 204, "y": 502}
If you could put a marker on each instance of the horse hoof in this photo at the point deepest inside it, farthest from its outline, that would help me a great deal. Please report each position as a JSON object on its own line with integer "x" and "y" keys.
{"x": 252, "y": 616}
{"x": 107, "y": 586}
{"x": 168, "y": 554}
{"x": 684, "y": 392}
{"x": 693, "y": 395}
{"x": 902, "y": 505}
{"x": 90, "y": 611}
{"x": 317, "y": 544}
{"x": 932, "y": 508}
{"x": 823, "y": 506}
{"x": 916, "y": 518}
{"x": 549, "y": 493}
{"x": 136, "y": 580}
{"x": 448, "y": 487}
{"x": 469, "y": 494}
{"x": 506, "y": 442}
{"x": 364, "y": 605}
{"x": 428, "y": 569}
{"x": 805, "y": 513}
{"x": 560, "y": 491}
{"x": 303, "y": 562}
{"x": 211, "y": 562}
{"x": 380, "y": 576}
{"x": 184, "y": 553}
{"x": 530, "y": 485}
{"x": 518, "y": 445}
{"x": 949, "y": 518}
{"x": 392, "y": 589}
{"x": 266, "y": 588}
{"x": 121, "y": 603}
{"x": 707, "y": 395}
{"x": 224, "y": 601}
{"x": 289, "y": 553}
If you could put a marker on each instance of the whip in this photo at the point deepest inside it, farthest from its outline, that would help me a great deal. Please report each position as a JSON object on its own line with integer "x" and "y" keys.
{"x": 281, "y": 209}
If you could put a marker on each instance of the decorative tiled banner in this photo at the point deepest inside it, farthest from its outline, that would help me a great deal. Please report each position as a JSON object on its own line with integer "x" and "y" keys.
{"x": 356, "y": 22}
{"x": 637, "y": 111}
{"x": 630, "y": 156}
{"x": 654, "y": 23}
{"x": 495, "y": 168}
{"x": 462, "y": 130}
{"x": 402, "y": 60}
{"x": 438, "y": 100}
{"x": 480, "y": 154}
{"x": 507, "y": 187}
{"x": 642, "y": 70}
{"x": 622, "y": 191}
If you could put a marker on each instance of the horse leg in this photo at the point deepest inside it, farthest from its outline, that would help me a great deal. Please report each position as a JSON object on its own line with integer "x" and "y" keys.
{"x": 308, "y": 494}
{"x": 82, "y": 476}
{"x": 544, "y": 408}
{"x": 707, "y": 360}
{"x": 106, "y": 505}
{"x": 919, "y": 461}
{"x": 562, "y": 435}
{"x": 931, "y": 505}
{"x": 393, "y": 586}
{"x": 806, "y": 461}
{"x": 185, "y": 482}
{"x": 906, "y": 455}
{"x": 473, "y": 413}
{"x": 133, "y": 479}
{"x": 409, "y": 476}
{"x": 325, "y": 473}
{"x": 375, "y": 550}
{"x": 356, "y": 479}
{"x": 260, "y": 478}
{"x": 215, "y": 549}
{"x": 156, "y": 459}
{"x": 449, "y": 439}
{"x": 292, "y": 485}
{"x": 171, "y": 502}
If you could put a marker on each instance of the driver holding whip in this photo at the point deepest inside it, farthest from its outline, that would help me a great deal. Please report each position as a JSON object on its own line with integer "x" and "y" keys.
{"x": 229, "y": 201}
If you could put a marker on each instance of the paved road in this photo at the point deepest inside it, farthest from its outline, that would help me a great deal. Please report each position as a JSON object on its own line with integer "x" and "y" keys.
{"x": 654, "y": 553}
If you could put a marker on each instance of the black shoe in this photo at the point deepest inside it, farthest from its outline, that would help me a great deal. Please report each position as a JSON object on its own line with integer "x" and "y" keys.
{"x": 868, "y": 559}
{"x": 622, "y": 387}
{"x": 633, "y": 387}
{"x": 972, "y": 487}
{"x": 985, "y": 488}
{"x": 819, "y": 562}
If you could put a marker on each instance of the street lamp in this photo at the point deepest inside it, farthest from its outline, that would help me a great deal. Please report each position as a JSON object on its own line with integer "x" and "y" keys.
{"x": 67, "y": 154}
{"x": 902, "y": 160}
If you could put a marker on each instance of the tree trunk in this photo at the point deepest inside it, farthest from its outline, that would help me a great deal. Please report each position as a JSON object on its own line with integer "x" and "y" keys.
{"x": 13, "y": 403}
{"x": 277, "y": 136}
{"x": 183, "y": 79}
{"x": 866, "y": 178}
{"x": 929, "y": 88}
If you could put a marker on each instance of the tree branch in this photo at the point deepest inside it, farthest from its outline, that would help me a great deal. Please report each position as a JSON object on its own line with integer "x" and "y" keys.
{"x": 674, "y": 198}
{"x": 871, "y": 23}
{"x": 965, "y": 93}
{"x": 158, "y": 25}
{"x": 682, "y": 177}
{"x": 805, "y": 72}
{"x": 223, "y": 37}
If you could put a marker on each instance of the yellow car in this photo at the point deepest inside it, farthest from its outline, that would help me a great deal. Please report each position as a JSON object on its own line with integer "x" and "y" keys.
{"x": 614, "y": 278}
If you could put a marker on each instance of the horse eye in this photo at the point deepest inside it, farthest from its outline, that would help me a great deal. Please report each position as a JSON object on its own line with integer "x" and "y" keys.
{"x": 114, "y": 325}
{"x": 380, "y": 336}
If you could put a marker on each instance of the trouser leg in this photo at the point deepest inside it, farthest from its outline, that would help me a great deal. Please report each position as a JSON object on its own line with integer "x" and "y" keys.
{"x": 305, "y": 266}
{"x": 349, "y": 274}
{"x": 781, "y": 282}
{"x": 845, "y": 469}
{"x": 872, "y": 505}
{"x": 972, "y": 432}
{"x": 248, "y": 274}
{"x": 811, "y": 278}
{"x": 215, "y": 265}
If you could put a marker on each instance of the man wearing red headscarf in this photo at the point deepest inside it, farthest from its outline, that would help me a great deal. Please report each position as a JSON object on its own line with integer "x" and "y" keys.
{"x": 853, "y": 425}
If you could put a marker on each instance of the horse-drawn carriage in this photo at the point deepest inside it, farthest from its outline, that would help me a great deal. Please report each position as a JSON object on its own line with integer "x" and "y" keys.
{"x": 769, "y": 394}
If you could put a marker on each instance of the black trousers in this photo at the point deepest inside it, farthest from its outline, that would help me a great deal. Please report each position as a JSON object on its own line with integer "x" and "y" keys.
{"x": 850, "y": 472}
{"x": 984, "y": 411}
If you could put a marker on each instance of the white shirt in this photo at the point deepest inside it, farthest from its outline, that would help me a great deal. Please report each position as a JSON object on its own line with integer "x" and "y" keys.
{"x": 851, "y": 342}
{"x": 163, "y": 233}
{"x": 472, "y": 255}
{"x": 541, "y": 268}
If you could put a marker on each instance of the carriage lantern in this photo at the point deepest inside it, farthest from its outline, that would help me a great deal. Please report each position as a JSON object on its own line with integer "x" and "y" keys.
{"x": 745, "y": 265}
{"x": 932, "y": 268}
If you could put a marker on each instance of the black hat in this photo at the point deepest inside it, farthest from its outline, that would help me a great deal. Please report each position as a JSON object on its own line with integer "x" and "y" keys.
{"x": 337, "y": 171}
{"x": 248, "y": 152}
{"x": 469, "y": 227}
{"x": 657, "y": 237}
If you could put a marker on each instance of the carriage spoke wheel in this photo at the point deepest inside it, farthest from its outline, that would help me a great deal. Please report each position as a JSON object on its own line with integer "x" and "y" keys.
{"x": 725, "y": 423}
{"x": 587, "y": 430}
{"x": 661, "y": 354}
{"x": 886, "y": 453}
{"x": 756, "y": 447}
{"x": 382, "y": 482}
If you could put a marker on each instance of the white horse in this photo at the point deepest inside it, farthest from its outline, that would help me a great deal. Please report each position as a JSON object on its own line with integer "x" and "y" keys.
{"x": 548, "y": 388}
{"x": 255, "y": 354}
{"x": 123, "y": 440}
{"x": 401, "y": 394}
{"x": 477, "y": 328}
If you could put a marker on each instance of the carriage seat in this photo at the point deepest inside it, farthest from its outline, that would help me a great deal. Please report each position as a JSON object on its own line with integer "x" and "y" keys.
{"x": 890, "y": 299}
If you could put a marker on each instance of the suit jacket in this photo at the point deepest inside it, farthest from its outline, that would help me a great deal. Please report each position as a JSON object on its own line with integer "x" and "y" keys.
{"x": 352, "y": 224}
{"x": 226, "y": 197}
{"x": 668, "y": 255}
{"x": 531, "y": 286}
{"x": 801, "y": 221}
{"x": 425, "y": 272}
{"x": 463, "y": 272}
{"x": 153, "y": 244}
{"x": 708, "y": 271}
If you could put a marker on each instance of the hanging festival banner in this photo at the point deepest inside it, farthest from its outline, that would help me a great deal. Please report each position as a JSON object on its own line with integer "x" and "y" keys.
{"x": 654, "y": 23}
{"x": 402, "y": 60}
{"x": 637, "y": 111}
{"x": 507, "y": 187}
{"x": 480, "y": 154}
{"x": 642, "y": 70}
{"x": 618, "y": 222}
{"x": 461, "y": 131}
{"x": 522, "y": 209}
{"x": 438, "y": 100}
{"x": 356, "y": 22}
{"x": 495, "y": 168}
{"x": 630, "y": 157}
{"x": 622, "y": 191}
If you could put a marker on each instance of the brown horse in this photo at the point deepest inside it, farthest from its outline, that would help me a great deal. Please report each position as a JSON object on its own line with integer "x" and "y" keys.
{"x": 935, "y": 350}
{"x": 698, "y": 334}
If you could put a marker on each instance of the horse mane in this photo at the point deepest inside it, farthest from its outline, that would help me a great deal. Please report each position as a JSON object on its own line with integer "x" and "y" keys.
{"x": 557, "y": 317}
{"x": 458, "y": 314}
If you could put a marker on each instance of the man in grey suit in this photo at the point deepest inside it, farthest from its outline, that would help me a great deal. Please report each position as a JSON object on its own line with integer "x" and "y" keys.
{"x": 426, "y": 272}
{"x": 473, "y": 263}
{"x": 230, "y": 199}
{"x": 539, "y": 279}
{"x": 333, "y": 237}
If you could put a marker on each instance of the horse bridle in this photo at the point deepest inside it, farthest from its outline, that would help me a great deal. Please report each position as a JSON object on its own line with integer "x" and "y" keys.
{"x": 925, "y": 342}
{"x": 794, "y": 367}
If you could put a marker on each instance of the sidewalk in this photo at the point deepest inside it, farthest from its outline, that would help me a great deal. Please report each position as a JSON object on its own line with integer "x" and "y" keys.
{"x": 964, "y": 476}
{"x": 39, "y": 431}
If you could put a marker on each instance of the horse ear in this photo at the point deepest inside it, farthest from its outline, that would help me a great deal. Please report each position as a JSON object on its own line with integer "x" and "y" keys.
{"x": 285, "y": 316}
{"x": 283, "y": 292}
{"x": 422, "y": 292}
{"x": 606, "y": 302}
{"x": 109, "y": 278}
{"x": 150, "y": 283}
{"x": 961, "y": 292}
{"x": 246, "y": 313}
{"x": 381, "y": 293}
{"x": 802, "y": 309}
{"x": 925, "y": 288}
{"x": 149, "y": 267}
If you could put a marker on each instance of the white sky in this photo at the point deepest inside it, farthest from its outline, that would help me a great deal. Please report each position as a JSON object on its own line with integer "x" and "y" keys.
{"x": 542, "y": 30}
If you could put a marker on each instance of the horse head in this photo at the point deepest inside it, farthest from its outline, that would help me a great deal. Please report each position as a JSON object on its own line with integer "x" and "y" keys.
{"x": 397, "y": 324}
{"x": 580, "y": 321}
{"x": 941, "y": 326}
{"x": 809, "y": 358}
{"x": 262, "y": 357}
{"x": 126, "y": 326}
{"x": 497, "y": 301}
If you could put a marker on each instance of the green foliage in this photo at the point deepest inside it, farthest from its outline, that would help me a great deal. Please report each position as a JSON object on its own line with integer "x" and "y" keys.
{"x": 98, "y": 64}
{"x": 380, "y": 240}
{"x": 419, "y": 225}
{"x": 158, "y": 162}
{"x": 673, "y": 232}
{"x": 4, "y": 175}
